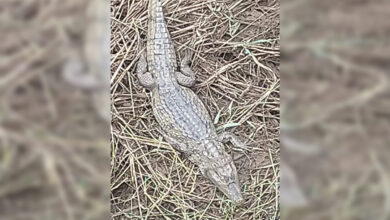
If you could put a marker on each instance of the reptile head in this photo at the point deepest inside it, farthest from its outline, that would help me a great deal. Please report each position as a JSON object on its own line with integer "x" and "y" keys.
{"x": 226, "y": 179}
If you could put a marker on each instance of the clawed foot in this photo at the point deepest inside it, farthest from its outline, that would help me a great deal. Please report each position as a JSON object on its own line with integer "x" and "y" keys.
{"x": 145, "y": 78}
{"x": 230, "y": 137}
{"x": 186, "y": 77}
{"x": 186, "y": 61}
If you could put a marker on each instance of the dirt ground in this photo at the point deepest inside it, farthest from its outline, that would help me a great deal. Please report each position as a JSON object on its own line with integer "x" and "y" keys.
{"x": 334, "y": 128}
{"x": 236, "y": 45}
{"x": 53, "y": 137}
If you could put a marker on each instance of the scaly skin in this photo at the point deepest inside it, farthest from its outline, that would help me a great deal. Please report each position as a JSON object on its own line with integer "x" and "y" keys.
{"x": 184, "y": 120}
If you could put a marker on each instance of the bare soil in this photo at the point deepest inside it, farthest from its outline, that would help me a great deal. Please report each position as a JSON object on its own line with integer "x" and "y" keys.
{"x": 236, "y": 45}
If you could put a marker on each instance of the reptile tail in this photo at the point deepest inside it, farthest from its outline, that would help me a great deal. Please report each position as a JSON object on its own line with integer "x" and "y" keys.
{"x": 159, "y": 40}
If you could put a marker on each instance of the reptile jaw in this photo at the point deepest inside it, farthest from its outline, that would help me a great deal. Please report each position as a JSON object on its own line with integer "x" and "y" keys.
{"x": 234, "y": 193}
{"x": 226, "y": 180}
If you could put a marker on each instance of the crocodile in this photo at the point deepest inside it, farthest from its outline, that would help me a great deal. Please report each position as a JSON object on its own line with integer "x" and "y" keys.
{"x": 182, "y": 117}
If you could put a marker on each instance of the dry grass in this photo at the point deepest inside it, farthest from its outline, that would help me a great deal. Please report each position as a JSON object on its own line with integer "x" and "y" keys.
{"x": 236, "y": 45}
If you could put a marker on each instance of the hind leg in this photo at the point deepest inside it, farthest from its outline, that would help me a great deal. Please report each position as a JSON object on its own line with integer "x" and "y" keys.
{"x": 145, "y": 78}
{"x": 186, "y": 77}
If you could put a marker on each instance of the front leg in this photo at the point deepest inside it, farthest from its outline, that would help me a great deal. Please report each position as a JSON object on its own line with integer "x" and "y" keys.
{"x": 186, "y": 77}
{"x": 145, "y": 78}
{"x": 230, "y": 137}
{"x": 176, "y": 144}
